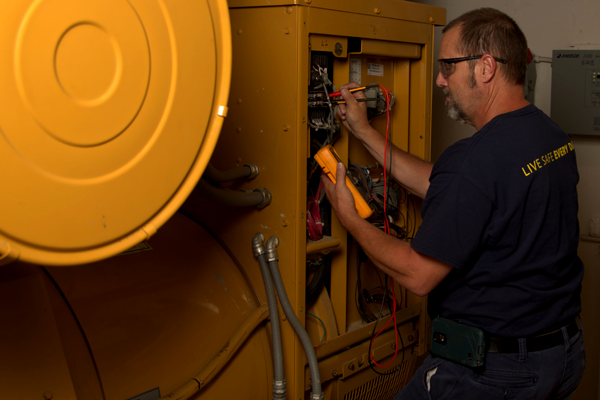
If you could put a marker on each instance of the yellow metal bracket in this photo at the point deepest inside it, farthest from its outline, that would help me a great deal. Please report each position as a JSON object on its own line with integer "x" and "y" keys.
{"x": 334, "y": 44}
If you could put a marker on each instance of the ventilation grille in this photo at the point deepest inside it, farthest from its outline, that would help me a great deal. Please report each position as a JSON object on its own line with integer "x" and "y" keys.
{"x": 321, "y": 59}
{"x": 382, "y": 387}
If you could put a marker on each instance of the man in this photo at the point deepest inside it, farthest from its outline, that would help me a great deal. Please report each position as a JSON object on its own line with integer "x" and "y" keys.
{"x": 497, "y": 246}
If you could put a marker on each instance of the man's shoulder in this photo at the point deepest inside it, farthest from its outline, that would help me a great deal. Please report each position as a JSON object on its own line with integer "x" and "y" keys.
{"x": 453, "y": 158}
{"x": 525, "y": 123}
{"x": 504, "y": 144}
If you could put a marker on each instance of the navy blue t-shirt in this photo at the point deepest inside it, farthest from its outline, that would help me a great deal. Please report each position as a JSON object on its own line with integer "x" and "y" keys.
{"x": 502, "y": 210}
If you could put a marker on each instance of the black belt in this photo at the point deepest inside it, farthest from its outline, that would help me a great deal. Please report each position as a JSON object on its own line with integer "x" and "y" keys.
{"x": 535, "y": 343}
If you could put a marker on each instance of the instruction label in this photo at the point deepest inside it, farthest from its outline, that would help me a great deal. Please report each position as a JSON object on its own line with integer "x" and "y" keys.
{"x": 375, "y": 69}
{"x": 355, "y": 70}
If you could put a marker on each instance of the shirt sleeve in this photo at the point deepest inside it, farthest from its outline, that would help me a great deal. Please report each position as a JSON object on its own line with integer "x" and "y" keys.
{"x": 455, "y": 216}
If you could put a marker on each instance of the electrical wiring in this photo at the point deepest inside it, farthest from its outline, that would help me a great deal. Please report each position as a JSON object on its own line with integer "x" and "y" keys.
{"x": 358, "y": 100}
{"x": 331, "y": 117}
{"x": 387, "y": 230}
{"x": 314, "y": 224}
{"x": 358, "y": 89}
{"x": 385, "y": 196}
{"x": 378, "y": 190}
{"x": 397, "y": 333}
{"x": 414, "y": 231}
{"x": 411, "y": 226}
{"x": 322, "y": 323}
{"x": 364, "y": 297}
{"x": 359, "y": 178}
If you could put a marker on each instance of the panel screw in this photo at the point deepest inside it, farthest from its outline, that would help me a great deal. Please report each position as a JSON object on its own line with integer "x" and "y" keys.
{"x": 286, "y": 127}
{"x": 48, "y": 395}
{"x": 288, "y": 10}
{"x": 284, "y": 222}
{"x": 421, "y": 136}
{"x": 431, "y": 19}
{"x": 239, "y": 129}
{"x": 239, "y": 101}
{"x": 360, "y": 363}
{"x": 303, "y": 120}
{"x": 338, "y": 48}
{"x": 351, "y": 367}
{"x": 334, "y": 373}
{"x": 308, "y": 1}
{"x": 377, "y": 10}
{"x": 287, "y": 31}
{"x": 239, "y": 31}
{"x": 411, "y": 338}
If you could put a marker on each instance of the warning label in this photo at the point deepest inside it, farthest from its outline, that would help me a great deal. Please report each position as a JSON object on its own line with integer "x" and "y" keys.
{"x": 375, "y": 69}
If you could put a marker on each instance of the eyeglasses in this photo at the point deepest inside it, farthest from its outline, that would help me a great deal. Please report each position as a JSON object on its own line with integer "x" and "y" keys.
{"x": 448, "y": 65}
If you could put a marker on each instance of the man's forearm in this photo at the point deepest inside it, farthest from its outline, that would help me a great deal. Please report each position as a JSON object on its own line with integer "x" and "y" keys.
{"x": 410, "y": 171}
{"x": 416, "y": 272}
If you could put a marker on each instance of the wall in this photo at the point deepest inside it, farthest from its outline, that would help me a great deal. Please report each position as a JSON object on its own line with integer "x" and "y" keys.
{"x": 548, "y": 25}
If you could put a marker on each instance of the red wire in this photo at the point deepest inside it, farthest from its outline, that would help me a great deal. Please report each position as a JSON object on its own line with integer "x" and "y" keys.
{"x": 314, "y": 225}
{"x": 393, "y": 317}
{"x": 387, "y": 230}
{"x": 387, "y": 131}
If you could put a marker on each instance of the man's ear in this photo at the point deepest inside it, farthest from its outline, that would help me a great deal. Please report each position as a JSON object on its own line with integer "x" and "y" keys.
{"x": 488, "y": 68}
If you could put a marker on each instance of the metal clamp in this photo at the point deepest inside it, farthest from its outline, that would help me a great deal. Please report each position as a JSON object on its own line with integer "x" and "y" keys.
{"x": 271, "y": 246}
{"x": 254, "y": 171}
{"x": 267, "y": 197}
{"x": 279, "y": 390}
{"x": 258, "y": 247}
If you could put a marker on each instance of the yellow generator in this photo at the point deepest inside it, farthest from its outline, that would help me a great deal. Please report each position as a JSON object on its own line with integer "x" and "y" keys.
{"x": 164, "y": 233}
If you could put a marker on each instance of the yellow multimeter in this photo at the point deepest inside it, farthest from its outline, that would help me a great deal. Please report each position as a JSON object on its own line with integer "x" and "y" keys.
{"x": 328, "y": 159}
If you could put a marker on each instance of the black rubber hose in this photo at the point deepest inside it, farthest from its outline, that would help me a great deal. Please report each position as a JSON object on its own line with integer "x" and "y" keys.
{"x": 229, "y": 197}
{"x": 215, "y": 175}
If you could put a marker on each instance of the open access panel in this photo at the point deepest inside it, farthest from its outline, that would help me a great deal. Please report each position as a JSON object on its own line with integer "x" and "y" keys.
{"x": 275, "y": 120}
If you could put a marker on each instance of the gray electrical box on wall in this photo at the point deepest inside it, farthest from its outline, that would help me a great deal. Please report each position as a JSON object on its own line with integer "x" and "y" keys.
{"x": 576, "y": 91}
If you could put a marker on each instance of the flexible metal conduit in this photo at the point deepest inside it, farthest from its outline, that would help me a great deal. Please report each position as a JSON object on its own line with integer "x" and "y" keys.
{"x": 259, "y": 197}
{"x": 279, "y": 385}
{"x": 222, "y": 357}
{"x": 248, "y": 171}
{"x": 313, "y": 365}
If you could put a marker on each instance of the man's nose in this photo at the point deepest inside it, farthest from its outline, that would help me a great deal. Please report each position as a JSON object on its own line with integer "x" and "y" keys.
{"x": 440, "y": 81}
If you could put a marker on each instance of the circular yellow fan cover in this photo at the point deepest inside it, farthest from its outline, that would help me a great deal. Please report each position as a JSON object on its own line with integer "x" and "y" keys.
{"x": 109, "y": 112}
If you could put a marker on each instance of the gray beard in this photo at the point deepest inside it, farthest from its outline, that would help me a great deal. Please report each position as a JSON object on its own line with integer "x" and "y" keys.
{"x": 454, "y": 110}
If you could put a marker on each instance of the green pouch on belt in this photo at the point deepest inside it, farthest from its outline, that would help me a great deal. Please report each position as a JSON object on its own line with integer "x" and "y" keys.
{"x": 459, "y": 343}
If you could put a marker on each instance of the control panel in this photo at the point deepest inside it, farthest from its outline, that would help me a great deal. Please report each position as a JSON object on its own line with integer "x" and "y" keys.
{"x": 576, "y": 91}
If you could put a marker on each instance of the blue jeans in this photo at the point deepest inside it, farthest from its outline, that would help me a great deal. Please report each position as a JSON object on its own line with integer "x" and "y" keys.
{"x": 548, "y": 374}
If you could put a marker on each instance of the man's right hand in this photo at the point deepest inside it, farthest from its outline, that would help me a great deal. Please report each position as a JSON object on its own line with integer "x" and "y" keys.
{"x": 353, "y": 114}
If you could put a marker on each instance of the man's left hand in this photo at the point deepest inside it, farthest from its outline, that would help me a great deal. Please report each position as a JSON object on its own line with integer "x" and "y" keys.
{"x": 340, "y": 197}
